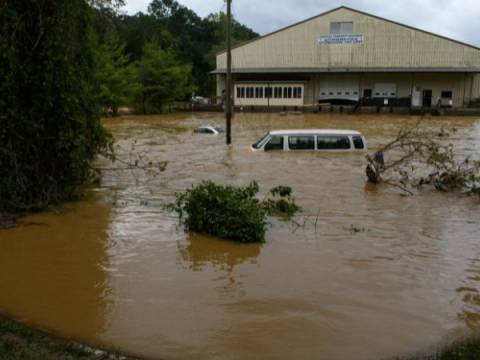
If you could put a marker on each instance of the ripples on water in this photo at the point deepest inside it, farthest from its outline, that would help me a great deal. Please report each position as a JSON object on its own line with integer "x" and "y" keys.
{"x": 370, "y": 275}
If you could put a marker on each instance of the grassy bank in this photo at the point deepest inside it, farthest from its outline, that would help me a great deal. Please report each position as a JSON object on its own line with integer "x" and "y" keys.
{"x": 7, "y": 220}
{"x": 18, "y": 342}
{"x": 464, "y": 350}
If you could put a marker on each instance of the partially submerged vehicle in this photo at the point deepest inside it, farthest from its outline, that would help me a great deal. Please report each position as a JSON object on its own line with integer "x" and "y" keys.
{"x": 209, "y": 129}
{"x": 330, "y": 140}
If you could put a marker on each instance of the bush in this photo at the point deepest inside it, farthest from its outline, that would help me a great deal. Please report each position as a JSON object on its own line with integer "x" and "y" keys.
{"x": 281, "y": 202}
{"x": 50, "y": 127}
{"x": 224, "y": 211}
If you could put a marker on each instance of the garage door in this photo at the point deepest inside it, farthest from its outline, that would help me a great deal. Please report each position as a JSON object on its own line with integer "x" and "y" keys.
{"x": 339, "y": 90}
{"x": 385, "y": 90}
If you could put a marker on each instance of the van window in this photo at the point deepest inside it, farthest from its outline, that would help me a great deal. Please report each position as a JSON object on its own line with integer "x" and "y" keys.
{"x": 204, "y": 131}
{"x": 333, "y": 142}
{"x": 260, "y": 142}
{"x": 301, "y": 142}
{"x": 275, "y": 143}
{"x": 358, "y": 142}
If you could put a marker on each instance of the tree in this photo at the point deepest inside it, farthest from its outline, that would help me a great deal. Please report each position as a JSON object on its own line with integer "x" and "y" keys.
{"x": 50, "y": 128}
{"x": 162, "y": 79}
{"x": 116, "y": 76}
{"x": 418, "y": 158}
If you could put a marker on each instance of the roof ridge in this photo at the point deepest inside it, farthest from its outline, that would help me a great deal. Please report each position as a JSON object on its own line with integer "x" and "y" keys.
{"x": 359, "y": 12}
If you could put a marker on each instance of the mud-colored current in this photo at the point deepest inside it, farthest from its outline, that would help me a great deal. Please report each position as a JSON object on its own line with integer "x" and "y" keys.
{"x": 374, "y": 275}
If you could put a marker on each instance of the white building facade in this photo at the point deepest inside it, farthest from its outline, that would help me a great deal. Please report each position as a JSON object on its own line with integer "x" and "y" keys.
{"x": 350, "y": 56}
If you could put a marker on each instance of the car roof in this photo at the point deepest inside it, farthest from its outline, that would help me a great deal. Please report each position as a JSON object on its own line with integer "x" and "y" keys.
{"x": 314, "y": 132}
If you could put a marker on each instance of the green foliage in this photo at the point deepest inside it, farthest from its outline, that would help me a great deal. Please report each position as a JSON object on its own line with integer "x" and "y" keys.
{"x": 177, "y": 29}
{"x": 117, "y": 77}
{"x": 231, "y": 212}
{"x": 49, "y": 119}
{"x": 224, "y": 211}
{"x": 281, "y": 202}
{"x": 423, "y": 158}
{"x": 162, "y": 79}
{"x": 464, "y": 350}
{"x": 18, "y": 342}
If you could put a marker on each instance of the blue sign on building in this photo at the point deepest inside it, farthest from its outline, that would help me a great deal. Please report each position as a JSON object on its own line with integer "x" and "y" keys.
{"x": 341, "y": 39}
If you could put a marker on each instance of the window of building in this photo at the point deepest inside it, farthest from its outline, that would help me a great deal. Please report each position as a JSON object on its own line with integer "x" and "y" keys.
{"x": 301, "y": 142}
{"x": 240, "y": 92}
{"x": 250, "y": 92}
{"x": 277, "y": 92}
{"x": 268, "y": 92}
{"x": 333, "y": 142}
{"x": 275, "y": 143}
{"x": 358, "y": 142}
{"x": 259, "y": 92}
{"x": 447, "y": 95}
{"x": 341, "y": 28}
{"x": 297, "y": 92}
{"x": 287, "y": 92}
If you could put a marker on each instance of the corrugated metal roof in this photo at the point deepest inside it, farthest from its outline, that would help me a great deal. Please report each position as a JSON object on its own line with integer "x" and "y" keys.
{"x": 348, "y": 70}
{"x": 359, "y": 12}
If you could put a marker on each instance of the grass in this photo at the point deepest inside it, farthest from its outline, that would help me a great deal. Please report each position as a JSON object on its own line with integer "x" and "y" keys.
{"x": 18, "y": 342}
{"x": 463, "y": 350}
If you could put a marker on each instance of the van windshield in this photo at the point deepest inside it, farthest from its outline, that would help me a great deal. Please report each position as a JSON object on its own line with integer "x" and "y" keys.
{"x": 260, "y": 142}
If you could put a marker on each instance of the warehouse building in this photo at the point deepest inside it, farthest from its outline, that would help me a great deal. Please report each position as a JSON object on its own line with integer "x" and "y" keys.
{"x": 348, "y": 56}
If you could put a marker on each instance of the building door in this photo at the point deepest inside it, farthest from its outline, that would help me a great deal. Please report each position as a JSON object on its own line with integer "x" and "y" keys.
{"x": 367, "y": 93}
{"x": 427, "y": 98}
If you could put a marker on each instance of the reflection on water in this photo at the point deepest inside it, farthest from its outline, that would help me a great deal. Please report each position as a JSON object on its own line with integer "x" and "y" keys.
{"x": 202, "y": 251}
{"x": 119, "y": 270}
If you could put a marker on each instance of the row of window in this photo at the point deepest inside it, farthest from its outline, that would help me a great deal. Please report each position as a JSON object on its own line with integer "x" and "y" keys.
{"x": 324, "y": 93}
{"x": 266, "y": 92}
{"x": 306, "y": 142}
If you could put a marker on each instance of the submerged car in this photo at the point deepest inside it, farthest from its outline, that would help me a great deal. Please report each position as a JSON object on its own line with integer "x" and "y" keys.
{"x": 209, "y": 129}
{"x": 312, "y": 139}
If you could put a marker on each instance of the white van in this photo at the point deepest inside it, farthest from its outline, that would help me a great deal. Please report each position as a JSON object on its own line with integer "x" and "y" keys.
{"x": 312, "y": 139}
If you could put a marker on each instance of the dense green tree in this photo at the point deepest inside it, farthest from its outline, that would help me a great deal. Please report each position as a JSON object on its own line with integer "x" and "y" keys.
{"x": 162, "y": 79}
{"x": 116, "y": 75}
{"x": 49, "y": 118}
{"x": 137, "y": 30}
{"x": 196, "y": 40}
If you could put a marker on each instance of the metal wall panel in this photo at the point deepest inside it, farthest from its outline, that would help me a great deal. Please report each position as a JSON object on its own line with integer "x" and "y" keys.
{"x": 386, "y": 44}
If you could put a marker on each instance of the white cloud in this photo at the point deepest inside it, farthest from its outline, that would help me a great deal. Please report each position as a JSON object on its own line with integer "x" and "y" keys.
{"x": 452, "y": 18}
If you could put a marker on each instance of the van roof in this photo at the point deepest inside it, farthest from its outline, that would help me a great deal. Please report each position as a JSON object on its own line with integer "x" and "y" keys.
{"x": 314, "y": 132}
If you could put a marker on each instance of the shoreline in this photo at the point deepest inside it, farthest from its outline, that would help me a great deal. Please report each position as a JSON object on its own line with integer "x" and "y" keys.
{"x": 19, "y": 341}
{"x": 8, "y": 220}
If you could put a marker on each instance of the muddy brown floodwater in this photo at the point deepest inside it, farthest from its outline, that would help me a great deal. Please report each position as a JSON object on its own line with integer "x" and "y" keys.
{"x": 116, "y": 270}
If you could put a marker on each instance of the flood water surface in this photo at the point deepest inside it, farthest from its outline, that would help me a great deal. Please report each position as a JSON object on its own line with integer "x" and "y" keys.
{"x": 363, "y": 273}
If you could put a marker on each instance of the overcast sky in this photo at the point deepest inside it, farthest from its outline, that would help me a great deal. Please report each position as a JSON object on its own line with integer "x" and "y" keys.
{"x": 458, "y": 19}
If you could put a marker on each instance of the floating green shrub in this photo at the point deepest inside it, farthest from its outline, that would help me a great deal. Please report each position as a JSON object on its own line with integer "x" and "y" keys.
{"x": 280, "y": 202}
{"x": 230, "y": 212}
{"x": 224, "y": 211}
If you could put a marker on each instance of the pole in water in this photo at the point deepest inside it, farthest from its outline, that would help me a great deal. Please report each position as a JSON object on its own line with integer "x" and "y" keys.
{"x": 228, "y": 93}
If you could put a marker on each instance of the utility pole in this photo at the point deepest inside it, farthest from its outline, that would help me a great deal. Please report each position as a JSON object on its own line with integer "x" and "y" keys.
{"x": 228, "y": 93}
